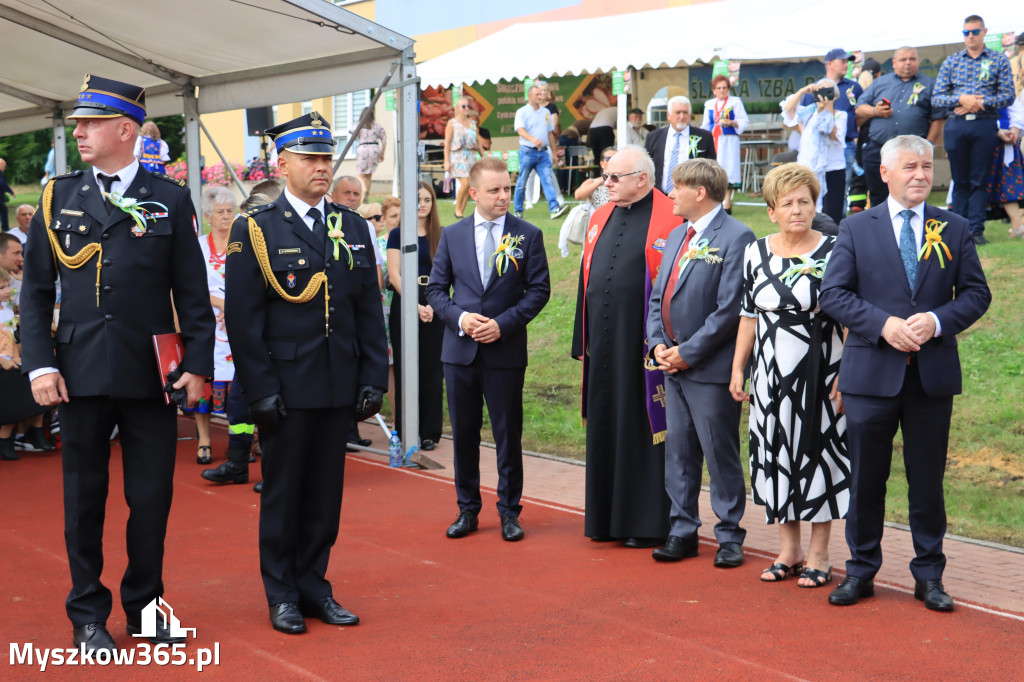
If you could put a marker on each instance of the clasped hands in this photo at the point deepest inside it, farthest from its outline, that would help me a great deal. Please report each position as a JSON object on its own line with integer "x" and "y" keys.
{"x": 910, "y": 334}
{"x": 481, "y": 329}
{"x": 668, "y": 359}
{"x": 969, "y": 104}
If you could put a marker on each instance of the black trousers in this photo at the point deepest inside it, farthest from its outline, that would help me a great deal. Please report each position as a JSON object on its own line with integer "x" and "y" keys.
{"x": 468, "y": 387}
{"x": 600, "y": 139}
{"x": 240, "y": 426}
{"x": 871, "y": 424}
{"x": 303, "y": 475}
{"x": 970, "y": 146}
{"x": 834, "y": 201}
{"x": 148, "y": 435}
{"x": 878, "y": 191}
{"x": 431, "y": 375}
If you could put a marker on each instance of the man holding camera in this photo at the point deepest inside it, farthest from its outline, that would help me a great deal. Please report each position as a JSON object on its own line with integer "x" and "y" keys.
{"x": 303, "y": 312}
{"x": 901, "y": 103}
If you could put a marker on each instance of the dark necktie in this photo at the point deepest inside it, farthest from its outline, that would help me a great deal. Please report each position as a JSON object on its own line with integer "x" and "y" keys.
{"x": 319, "y": 229}
{"x": 908, "y": 247}
{"x": 107, "y": 181}
{"x": 666, "y": 298}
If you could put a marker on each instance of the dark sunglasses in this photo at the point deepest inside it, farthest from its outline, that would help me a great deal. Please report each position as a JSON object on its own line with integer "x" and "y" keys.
{"x": 465, "y": 106}
{"x": 615, "y": 177}
{"x": 375, "y": 217}
{"x": 972, "y": 32}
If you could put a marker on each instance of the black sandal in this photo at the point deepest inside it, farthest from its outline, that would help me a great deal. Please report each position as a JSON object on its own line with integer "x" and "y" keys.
{"x": 820, "y": 578}
{"x": 203, "y": 455}
{"x": 780, "y": 572}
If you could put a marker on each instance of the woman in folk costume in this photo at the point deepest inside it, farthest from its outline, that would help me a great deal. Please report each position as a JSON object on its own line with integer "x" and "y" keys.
{"x": 726, "y": 118}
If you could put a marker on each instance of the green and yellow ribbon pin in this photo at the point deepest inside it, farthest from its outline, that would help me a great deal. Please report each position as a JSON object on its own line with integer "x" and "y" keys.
{"x": 700, "y": 251}
{"x": 505, "y": 253}
{"x": 335, "y": 234}
{"x": 933, "y": 242}
{"x": 918, "y": 89}
{"x": 986, "y": 70}
{"x": 806, "y": 266}
{"x": 694, "y": 141}
{"x": 136, "y": 209}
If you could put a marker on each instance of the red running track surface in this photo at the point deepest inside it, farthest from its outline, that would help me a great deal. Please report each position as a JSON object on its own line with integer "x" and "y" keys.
{"x": 554, "y": 606}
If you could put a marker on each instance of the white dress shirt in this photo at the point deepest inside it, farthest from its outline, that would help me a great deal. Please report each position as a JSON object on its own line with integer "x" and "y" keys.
{"x": 302, "y": 208}
{"x": 497, "y": 228}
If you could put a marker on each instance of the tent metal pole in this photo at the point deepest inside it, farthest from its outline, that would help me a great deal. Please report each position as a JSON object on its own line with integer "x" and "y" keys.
{"x": 410, "y": 378}
{"x": 223, "y": 159}
{"x": 192, "y": 153}
{"x": 60, "y": 150}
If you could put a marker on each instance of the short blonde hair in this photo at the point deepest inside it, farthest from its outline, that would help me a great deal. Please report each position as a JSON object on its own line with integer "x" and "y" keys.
{"x": 784, "y": 179}
{"x": 367, "y": 210}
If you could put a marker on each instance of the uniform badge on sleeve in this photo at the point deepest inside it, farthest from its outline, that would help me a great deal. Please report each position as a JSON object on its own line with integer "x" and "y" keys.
{"x": 234, "y": 247}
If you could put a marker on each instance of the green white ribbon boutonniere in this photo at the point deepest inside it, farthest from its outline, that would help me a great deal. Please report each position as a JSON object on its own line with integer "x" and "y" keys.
{"x": 806, "y": 266}
{"x": 700, "y": 251}
{"x": 335, "y": 234}
{"x": 508, "y": 250}
{"x": 694, "y": 141}
{"x": 986, "y": 69}
{"x": 137, "y": 210}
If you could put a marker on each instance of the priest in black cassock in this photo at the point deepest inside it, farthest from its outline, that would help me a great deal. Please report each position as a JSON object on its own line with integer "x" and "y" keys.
{"x": 623, "y": 395}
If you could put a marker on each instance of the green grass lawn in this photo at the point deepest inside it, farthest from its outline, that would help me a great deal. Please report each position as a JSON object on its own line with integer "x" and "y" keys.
{"x": 985, "y": 472}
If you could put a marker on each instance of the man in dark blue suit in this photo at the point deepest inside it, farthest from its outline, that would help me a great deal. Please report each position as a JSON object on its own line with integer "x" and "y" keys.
{"x": 489, "y": 279}
{"x": 905, "y": 279}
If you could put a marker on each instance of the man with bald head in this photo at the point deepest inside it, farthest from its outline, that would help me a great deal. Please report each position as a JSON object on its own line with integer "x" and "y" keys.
{"x": 347, "y": 191}
{"x": 22, "y": 216}
{"x": 901, "y": 104}
{"x": 623, "y": 400}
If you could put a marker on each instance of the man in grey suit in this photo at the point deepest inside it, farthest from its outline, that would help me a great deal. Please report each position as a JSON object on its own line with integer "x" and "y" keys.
{"x": 691, "y": 328}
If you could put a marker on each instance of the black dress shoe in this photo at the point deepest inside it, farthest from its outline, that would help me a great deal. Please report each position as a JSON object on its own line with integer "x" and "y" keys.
{"x": 641, "y": 543}
{"x": 511, "y": 529}
{"x": 228, "y": 472}
{"x": 94, "y": 636}
{"x": 729, "y": 555}
{"x": 851, "y": 591}
{"x": 258, "y": 488}
{"x": 465, "y": 523}
{"x": 427, "y": 445}
{"x": 676, "y": 548}
{"x": 933, "y": 594}
{"x": 330, "y": 612}
{"x": 979, "y": 239}
{"x": 162, "y": 635}
{"x": 286, "y": 618}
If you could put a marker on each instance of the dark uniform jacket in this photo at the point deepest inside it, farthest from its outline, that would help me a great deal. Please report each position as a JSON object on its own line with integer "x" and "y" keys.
{"x": 291, "y": 348}
{"x": 107, "y": 349}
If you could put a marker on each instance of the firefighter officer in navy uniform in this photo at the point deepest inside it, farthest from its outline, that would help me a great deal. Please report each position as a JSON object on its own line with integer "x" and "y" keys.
{"x": 121, "y": 268}
{"x": 303, "y": 313}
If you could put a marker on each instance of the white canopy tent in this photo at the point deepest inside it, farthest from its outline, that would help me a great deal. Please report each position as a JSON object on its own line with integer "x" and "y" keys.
{"x": 197, "y": 56}
{"x": 696, "y": 34}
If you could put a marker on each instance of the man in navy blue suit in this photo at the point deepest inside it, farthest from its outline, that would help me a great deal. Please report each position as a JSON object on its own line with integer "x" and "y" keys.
{"x": 489, "y": 279}
{"x": 905, "y": 279}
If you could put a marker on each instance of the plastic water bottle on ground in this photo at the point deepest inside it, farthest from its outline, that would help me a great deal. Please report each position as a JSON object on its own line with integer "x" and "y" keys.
{"x": 394, "y": 450}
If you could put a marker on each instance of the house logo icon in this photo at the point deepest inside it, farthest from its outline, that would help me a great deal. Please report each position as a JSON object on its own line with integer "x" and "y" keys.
{"x": 158, "y": 608}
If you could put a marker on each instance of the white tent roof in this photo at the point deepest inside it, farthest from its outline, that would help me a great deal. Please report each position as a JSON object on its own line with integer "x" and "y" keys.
{"x": 733, "y": 29}
{"x": 238, "y": 54}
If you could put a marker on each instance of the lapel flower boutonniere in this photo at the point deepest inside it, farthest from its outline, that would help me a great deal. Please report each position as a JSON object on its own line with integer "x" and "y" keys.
{"x": 335, "y": 234}
{"x": 933, "y": 242}
{"x": 694, "y": 141}
{"x": 508, "y": 250}
{"x": 986, "y": 69}
{"x": 136, "y": 209}
{"x": 700, "y": 251}
{"x": 806, "y": 266}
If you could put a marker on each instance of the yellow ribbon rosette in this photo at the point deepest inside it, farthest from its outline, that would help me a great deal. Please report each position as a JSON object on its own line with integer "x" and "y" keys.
{"x": 507, "y": 251}
{"x": 933, "y": 242}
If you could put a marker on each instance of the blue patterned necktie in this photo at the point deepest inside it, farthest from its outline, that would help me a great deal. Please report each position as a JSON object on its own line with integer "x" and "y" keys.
{"x": 673, "y": 161}
{"x": 908, "y": 247}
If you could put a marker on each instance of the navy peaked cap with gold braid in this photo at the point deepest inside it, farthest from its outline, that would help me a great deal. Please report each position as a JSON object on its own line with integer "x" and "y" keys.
{"x": 309, "y": 134}
{"x": 106, "y": 98}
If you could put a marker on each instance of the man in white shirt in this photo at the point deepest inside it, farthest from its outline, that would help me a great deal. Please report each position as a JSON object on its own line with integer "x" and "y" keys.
{"x": 536, "y": 138}
{"x": 23, "y": 217}
{"x": 677, "y": 142}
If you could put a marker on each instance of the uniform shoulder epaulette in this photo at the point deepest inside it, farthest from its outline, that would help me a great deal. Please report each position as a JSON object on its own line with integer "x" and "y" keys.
{"x": 168, "y": 178}
{"x": 258, "y": 209}
{"x": 342, "y": 207}
{"x": 69, "y": 174}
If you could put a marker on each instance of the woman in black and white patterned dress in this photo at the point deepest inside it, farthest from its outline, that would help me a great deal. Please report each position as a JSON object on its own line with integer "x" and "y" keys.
{"x": 799, "y": 467}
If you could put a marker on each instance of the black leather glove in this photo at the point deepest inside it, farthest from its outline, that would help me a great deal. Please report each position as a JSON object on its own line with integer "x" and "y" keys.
{"x": 179, "y": 396}
{"x": 368, "y": 402}
{"x": 267, "y": 413}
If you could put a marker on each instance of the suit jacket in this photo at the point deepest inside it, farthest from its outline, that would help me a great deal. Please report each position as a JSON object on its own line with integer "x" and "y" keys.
{"x": 512, "y": 299}
{"x": 704, "y": 308}
{"x": 107, "y": 349}
{"x": 865, "y": 284}
{"x": 655, "y": 146}
{"x": 293, "y": 349}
